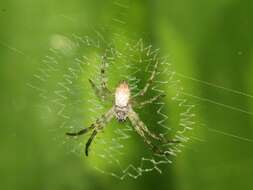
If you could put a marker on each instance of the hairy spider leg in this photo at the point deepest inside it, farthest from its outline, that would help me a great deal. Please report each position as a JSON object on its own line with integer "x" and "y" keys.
{"x": 94, "y": 133}
{"x": 143, "y": 127}
{"x": 83, "y": 131}
{"x": 101, "y": 91}
{"x": 150, "y": 101}
{"x": 138, "y": 125}
{"x": 97, "y": 126}
{"x": 98, "y": 91}
{"x": 150, "y": 80}
{"x": 103, "y": 73}
{"x": 100, "y": 124}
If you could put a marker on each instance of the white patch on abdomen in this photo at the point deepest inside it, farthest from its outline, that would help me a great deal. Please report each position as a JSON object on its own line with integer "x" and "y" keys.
{"x": 122, "y": 95}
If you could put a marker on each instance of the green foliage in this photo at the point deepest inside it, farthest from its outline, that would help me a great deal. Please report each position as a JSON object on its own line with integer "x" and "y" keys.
{"x": 209, "y": 40}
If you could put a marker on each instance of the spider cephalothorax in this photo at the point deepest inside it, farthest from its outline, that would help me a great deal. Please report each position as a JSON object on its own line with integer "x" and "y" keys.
{"x": 123, "y": 109}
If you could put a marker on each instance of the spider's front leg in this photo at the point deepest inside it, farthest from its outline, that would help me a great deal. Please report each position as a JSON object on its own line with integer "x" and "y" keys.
{"x": 97, "y": 126}
{"x": 101, "y": 91}
{"x": 94, "y": 133}
{"x": 83, "y": 131}
{"x": 141, "y": 129}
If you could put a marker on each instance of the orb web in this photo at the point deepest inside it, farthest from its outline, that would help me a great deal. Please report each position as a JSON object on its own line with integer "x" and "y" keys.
{"x": 68, "y": 98}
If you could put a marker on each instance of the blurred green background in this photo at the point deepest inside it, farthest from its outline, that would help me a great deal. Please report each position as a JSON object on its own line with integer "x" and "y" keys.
{"x": 209, "y": 40}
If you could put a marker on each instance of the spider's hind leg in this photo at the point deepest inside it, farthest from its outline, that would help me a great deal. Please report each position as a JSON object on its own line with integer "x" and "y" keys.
{"x": 98, "y": 91}
{"x": 103, "y": 77}
{"x": 101, "y": 91}
{"x": 150, "y": 101}
{"x": 150, "y": 80}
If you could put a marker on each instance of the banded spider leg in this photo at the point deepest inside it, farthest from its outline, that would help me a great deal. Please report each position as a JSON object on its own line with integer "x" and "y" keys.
{"x": 96, "y": 127}
{"x": 102, "y": 91}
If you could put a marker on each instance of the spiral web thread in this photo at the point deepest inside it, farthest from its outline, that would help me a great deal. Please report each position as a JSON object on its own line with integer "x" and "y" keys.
{"x": 61, "y": 82}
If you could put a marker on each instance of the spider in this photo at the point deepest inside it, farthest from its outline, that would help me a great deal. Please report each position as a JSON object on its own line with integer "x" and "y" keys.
{"x": 123, "y": 109}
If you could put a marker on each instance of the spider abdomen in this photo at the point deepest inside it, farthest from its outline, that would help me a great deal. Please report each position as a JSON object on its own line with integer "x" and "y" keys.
{"x": 122, "y": 94}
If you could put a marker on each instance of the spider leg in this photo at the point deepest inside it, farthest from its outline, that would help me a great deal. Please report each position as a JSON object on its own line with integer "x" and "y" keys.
{"x": 155, "y": 136}
{"x": 140, "y": 128}
{"x": 97, "y": 126}
{"x": 103, "y": 74}
{"x": 154, "y": 148}
{"x": 150, "y": 101}
{"x": 94, "y": 133}
{"x": 101, "y": 91}
{"x": 98, "y": 91}
{"x": 81, "y": 132}
{"x": 149, "y": 81}
{"x": 134, "y": 118}
{"x": 100, "y": 124}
